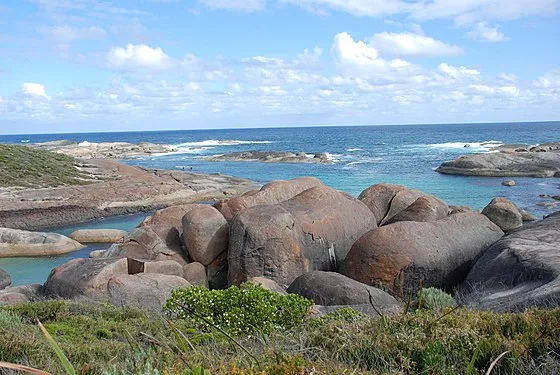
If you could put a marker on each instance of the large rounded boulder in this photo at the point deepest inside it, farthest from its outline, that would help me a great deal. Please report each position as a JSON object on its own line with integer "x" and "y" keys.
{"x": 504, "y": 213}
{"x": 21, "y": 243}
{"x": 440, "y": 253}
{"x": 378, "y": 198}
{"x": 520, "y": 271}
{"x": 400, "y": 202}
{"x": 425, "y": 208}
{"x": 312, "y": 231}
{"x": 272, "y": 193}
{"x": 205, "y": 234}
{"x": 146, "y": 291}
{"x": 84, "y": 278}
{"x": 333, "y": 289}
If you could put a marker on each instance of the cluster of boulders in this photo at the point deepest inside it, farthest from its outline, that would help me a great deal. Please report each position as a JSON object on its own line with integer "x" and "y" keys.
{"x": 303, "y": 237}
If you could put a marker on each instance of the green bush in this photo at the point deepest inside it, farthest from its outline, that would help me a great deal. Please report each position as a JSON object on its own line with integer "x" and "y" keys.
{"x": 247, "y": 309}
{"x": 435, "y": 299}
{"x": 9, "y": 319}
{"x": 345, "y": 314}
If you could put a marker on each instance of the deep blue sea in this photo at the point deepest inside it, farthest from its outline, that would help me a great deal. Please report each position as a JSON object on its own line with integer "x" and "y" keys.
{"x": 362, "y": 156}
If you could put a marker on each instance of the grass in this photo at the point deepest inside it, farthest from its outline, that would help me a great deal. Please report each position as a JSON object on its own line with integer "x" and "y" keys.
{"x": 103, "y": 339}
{"x": 28, "y": 167}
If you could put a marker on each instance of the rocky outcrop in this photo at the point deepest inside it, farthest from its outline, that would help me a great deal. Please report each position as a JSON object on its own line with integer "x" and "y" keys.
{"x": 392, "y": 203}
{"x": 118, "y": 190}
{"x": 146, "y": 291}
{"x": 331, "y": 289}
{"x": 98, "y": 235}
{"x": 104, "y": 150}
{"x": 440, "y": 253}
{"x": 272, "y": 193}
{"x": 272, "y": 157}
{"x": 312, "y": 231}
{"x": 539, "y": 161}
{"x": 520, "y": 271}
{"x": 504, "y": 213}
{"x": 84, "y": 278}
{"x": 5, "y": 279}
{"x": 195, "y": 273}
{"x": 20, "y": 243}
{"x": 205, "y": 234}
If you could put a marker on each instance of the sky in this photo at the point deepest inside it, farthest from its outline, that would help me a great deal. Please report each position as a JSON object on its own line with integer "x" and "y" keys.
{"x": 108, "y": 65}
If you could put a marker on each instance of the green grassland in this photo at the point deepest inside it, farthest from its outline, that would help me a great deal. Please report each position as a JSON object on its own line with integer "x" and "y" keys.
{"x": 28, "y": 167}
{"x": 104, "y": 339}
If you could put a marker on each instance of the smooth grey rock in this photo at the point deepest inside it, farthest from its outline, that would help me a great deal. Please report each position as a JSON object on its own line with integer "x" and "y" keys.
{"x": 508, "y": 183}
{"x": 98, "y": 235}
{"x": 21, "y": 243}
{"x": 504, "y": 213}
{"x": 520, "y": 271}
{"x": 331, "y": 289}
{"x": 146, "y": 291}
{"x": 84, "y": 278}
{"x": 440, "y": 253}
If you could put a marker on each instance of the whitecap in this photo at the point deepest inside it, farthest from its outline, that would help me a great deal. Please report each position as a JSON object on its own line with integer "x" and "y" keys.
{"x": 484, "y": 146}
{"x": 84, "y": 144}
{"x": 353, "y": 149}
{"x": 24, "y": 141}
{"x": 219, "y": 142}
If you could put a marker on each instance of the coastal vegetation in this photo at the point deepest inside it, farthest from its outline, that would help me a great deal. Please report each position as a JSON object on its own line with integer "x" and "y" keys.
{"x": 98, "y": 338}
{"x": 28, "y": 167}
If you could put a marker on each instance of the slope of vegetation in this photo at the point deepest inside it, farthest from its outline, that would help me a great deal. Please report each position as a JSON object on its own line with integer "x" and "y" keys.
{"x": 28, "y": 167}
{"x": 103, "y": 339}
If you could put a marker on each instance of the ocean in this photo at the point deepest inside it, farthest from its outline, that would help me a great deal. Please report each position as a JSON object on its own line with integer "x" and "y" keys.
{"x": 361, "y": 156}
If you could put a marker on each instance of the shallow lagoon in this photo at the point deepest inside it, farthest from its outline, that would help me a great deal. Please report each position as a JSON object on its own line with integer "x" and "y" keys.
{"x": 33, "y": 270}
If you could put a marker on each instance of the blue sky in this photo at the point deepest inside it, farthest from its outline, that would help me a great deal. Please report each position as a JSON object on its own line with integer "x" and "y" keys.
{"x": 101, "y": 65}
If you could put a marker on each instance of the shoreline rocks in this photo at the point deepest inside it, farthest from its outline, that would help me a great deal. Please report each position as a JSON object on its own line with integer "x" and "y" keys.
{"x": 98, "y": 235}
{"x": 5, "y": 279}
{"x": 510, "y": 161}
{"x": 20, "y": 243}
{"x": 272, "y": 157}
{"x": 104, "y": 150}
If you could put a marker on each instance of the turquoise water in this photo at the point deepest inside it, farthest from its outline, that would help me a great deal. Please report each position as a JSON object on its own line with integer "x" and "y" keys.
{"x": 32, "y": 270}
{"x": 361, "y": 155}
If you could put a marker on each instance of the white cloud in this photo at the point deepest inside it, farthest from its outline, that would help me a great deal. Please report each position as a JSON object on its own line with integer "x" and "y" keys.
{"x": 481, "y": 31}
{"x": 34, "y": 89}
{"x": 458, "y": 72}
{"x": 138, "y": 57}
{"x": 235, "y": 5}
{"x": 68, "y": 34}
{"x": 345, "y": 49}
{"x": 411, "y": 44}
{"x": 549, "y": 80}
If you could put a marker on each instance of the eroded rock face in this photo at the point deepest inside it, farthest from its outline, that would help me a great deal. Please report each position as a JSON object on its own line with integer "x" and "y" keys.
{"x": 504, "y": 213}
{"x": 312, "y": 231}
{"x": 5, "y": 279}
{"x": 440, "y": 253}
{"x": 146, "y": 291}
{"x": 520, "y": 271}
{"x": 332, "y": 289}
{"x": 205, "y": 234}
{"x": 17, "y": 243}
{"x": 98, "y": 235}
{"x": 84, "y": 278}
{"x": 272, "y": 193}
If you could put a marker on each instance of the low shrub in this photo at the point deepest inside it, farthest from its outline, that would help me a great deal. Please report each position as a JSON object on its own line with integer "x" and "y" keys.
{"x": 248, "y": 309}
{"x": 435, "y": 299}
